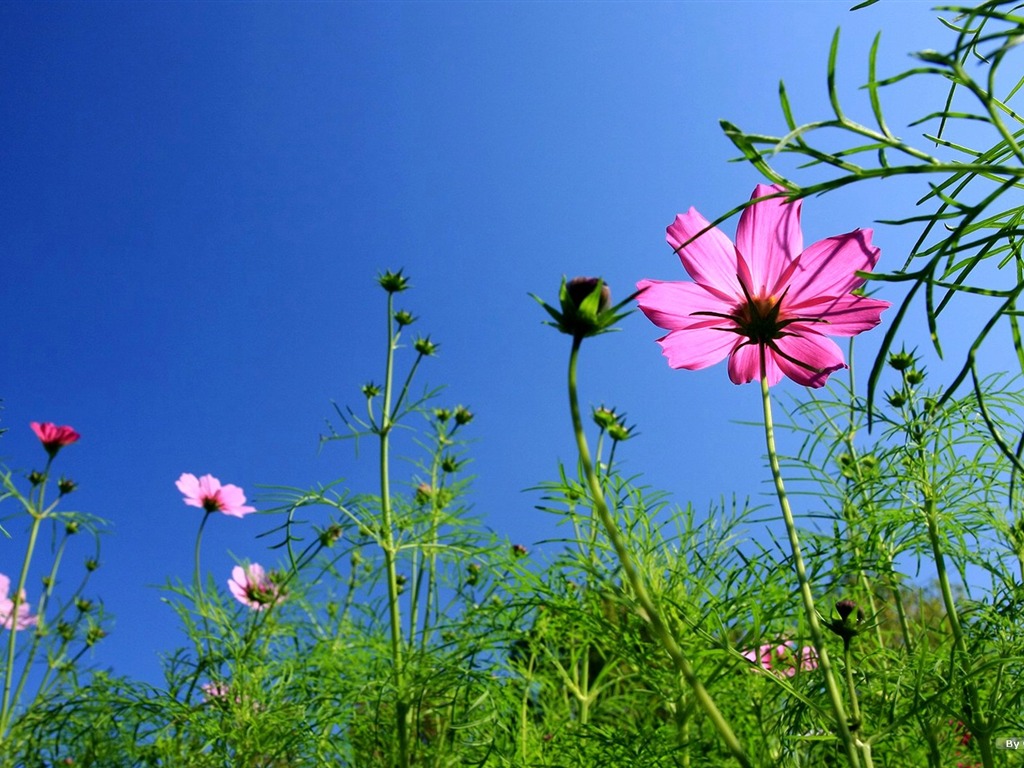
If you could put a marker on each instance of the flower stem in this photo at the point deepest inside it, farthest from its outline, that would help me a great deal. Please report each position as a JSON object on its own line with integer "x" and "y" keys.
{"x": 390, "y": 548}
{"x": 8, "y": 703}
{"x": 661, "y": 629}
{"x": 817, "y": 638}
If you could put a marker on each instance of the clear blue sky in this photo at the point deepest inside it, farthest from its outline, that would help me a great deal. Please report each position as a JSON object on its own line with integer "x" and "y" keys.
{"x": 198, "y": 196}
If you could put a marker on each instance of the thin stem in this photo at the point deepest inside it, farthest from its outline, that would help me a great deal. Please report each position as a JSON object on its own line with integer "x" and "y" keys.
{"x": 390, "y": 548}
{"x": 661, "y": 630}
{"x": 824, "y": 664}
{"x": 8, "y": 703}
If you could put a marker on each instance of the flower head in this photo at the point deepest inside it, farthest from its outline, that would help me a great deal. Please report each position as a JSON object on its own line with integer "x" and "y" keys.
{"x": 252, "y": 586}
{"x": 764, "y": 297}
{"x": 207, "y": 493}
{"x": 53, "y": 437}
{"x": 10, "y": 618}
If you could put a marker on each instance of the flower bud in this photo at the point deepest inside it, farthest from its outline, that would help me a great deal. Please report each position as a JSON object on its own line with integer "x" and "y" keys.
{"x": 423, "y": 494}
{"x": 330, "y": 535}
{"x": 404, "y": 318}
{"x": 915, "y": 377}
{"x": 604, "y": 417}
{"x": 463, "y": 415}
{"x": 83, "y": 605}
{"x": 71, "y": 528}
{"x": 393, "y": 282}
{"x": 619, "y": 432}
{"x": 92, "y": 564}
{"x": 518, "y": 550}
{"x": 66, "y": 485}
{"x": 901, "y": 361}
{"x": 370, "y": 389}
{"x": 450, "y": 464}
{"x": 847, "y": 624}
{"x": 585, "y": 307}
{"x": 896, "y": 399}
{"x": 425, "y": 346}
{"x": 473, "y": 570}
{"x": 36, "y": 477}
{"x": 442, "y": 415}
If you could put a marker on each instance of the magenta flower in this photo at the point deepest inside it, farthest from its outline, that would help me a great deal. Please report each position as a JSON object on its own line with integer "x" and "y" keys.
{"x": 764, "y": 295}
{"x": 53, "y": 437}
{"x": 207, "y": 493}
{"x": 251, "y": 586}
{"x": 9, "y": 618}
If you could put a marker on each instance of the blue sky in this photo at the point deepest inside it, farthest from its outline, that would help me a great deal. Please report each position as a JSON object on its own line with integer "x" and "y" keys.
{"x": 198, "y": 196}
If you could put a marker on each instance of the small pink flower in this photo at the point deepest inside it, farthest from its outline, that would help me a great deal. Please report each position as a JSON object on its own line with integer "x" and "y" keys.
{"x": 207, "y": 493}
{"x": 766, "y": 294}
{"x": 251, "y": 586}
{"x": 215, "y": 691}
{"x": 53, "y": 437}
{"x": 783, "y": 658}
{"x": 9, "y": 618}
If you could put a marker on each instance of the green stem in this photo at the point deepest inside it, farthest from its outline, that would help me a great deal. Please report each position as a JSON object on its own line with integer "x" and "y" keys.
{"x": 661, "y": 629}
{"x": 8, "y": 703}
{"x": 817, "y": 638}
{"x": 865, "y": 746}
{"x": 391, "y": 549}
{"x": 978, "y": 717}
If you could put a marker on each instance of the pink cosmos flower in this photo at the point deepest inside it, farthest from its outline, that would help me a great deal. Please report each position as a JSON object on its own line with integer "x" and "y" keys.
{"x": 215, "y": 691}
{"x": 207, "y": 493}
{"x": 783, "y": 658}
{"x": 9, "y": 618}
{"x": 53, "y": 437}
{"x": 764, "y": 293}
{"x": 251, "y": 586}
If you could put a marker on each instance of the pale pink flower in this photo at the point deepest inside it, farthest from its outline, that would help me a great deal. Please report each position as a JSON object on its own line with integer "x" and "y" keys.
{"x": 215, "y": 691}
{"x": 9, "y": 618}
{"x": 53, "y": 437}
{"x": 251, "y": 586}
{"x": 766, "y": 292}
{"x": 783, "y": 658}
{"x": 207, "y": 493}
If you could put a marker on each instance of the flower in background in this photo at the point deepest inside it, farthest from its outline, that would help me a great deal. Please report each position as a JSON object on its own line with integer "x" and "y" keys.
{"x": 207, "y": 493}
{"x": 765, "y": 293}
{"x": 784, "y": 658}
{"x": 53, "y": 437}
{"x": 9, "y": 618}
{"x": 215, "y": 691}
{"x": 251, "y": 586}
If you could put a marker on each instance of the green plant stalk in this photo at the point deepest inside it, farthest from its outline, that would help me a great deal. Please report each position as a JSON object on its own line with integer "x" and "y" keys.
{"x": 824, "y": 664}
{"x": 981, "y": 733}
{"x": 865, "y": 746}
{"x": 41, "y": 607}
{"x": 391, "y": 550}
{"x": 658, "y": 624}
{"x": 8, "y": 703}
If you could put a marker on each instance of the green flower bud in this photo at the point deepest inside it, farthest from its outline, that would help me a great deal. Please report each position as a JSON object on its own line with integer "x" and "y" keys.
{"x": 463, "y": 415}
{"x": 585, "y": 304}
{"x": 604, "y": 417}
{"x": 404, "y": 318}
{"x": 915, "y": 377}
{"x": 442, "y": 415}
{"x": 425, "y": 346}
{"x": 901, "y": 361}
{"x": 393, "y": 282}
{"x": 370, "y": 389}
{"x": 66, "y": 486}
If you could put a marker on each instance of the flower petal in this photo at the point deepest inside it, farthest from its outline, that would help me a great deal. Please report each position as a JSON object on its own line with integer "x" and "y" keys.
{"x": 188, "y": 484}
{"x": 843, "y": 316}
{"x": 814, "y": 351}
{"x": 769, "y": 237}
{"x": 232, "y": 499}
{"x": 828, "y": 267}
{"x": 697, "y": 348}
{"x": 710, "y": 259}
{"x": 745, "y": 366}
{"x": 671, "y": 305}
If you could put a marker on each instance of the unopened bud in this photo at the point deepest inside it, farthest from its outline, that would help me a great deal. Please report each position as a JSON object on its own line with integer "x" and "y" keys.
{"x": 463, "y": 415}
{"x": 66, "y": 485}
{"x": 393, "y": 282}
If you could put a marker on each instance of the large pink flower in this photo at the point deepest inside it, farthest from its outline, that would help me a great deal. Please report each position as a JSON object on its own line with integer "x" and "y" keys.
{"x": 9, "y": 618}
{"x": 207, "y": 493}
{"x": 53, "y": 437}
{"x": 766, "y": 292}
{"x": 251, "y": 586}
